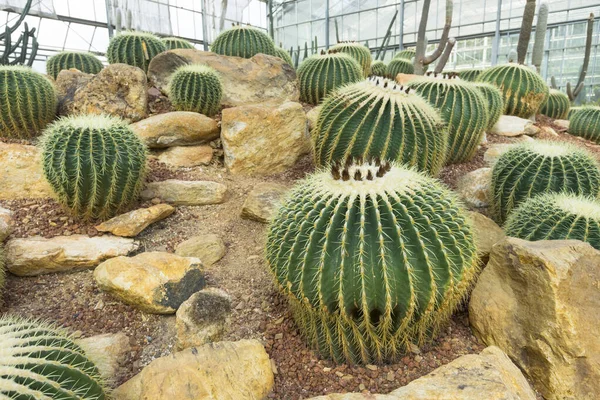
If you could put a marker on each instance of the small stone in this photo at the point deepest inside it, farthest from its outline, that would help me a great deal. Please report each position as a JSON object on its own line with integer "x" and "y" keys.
{"x": 326, "y": 369}
{"x": 418, "y": 358}
{"x": 339, "y": 374}
{"x": 414, "y": 348}
{"x": 549, "y": 131}
{"x": 563, "y": 123}
{"x": 312, "y": 116}
{"x": 390, "y": 376}
{"x": 186, "y": 156}
{"x": 263, "y": 201}
{"x": 274, "y": 367}
{"x": 189, "y": 193}
{"x": 278, "y": 321}
{"x": 278, "y": 336}
{"x": 132, "y": 223}
{"x": 474, "y": 187}
{"x": 107, "y": 351}
{"x": 208, "y": 248}
{"x": 493, "y": 153}
{"x": 362, "y": 387}
{"x": 178, "y": 128}
{"x": 371, "y": 367}
{"x": 6, "y": 223}
{"x": 509, "y": 125}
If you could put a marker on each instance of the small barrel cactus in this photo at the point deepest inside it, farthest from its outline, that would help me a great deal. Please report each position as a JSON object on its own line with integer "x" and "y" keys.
{"x": 27, "y": 102}
{"x": 243, "y": 41}
{"x": 172, "y": 43}
{"x": 378, "y": 118}
{"x": 585, "y": 123}
{"x": 556, "y": 216}
{"x": 372, "y": 257}
{"x": 85, "y": 62}
{"x": 523, "y": 89}
{"x": 134, "y": 48}
{"x": 359, "y": 52}
{"x": 494, "y": 102}
{"x": 322, "y": 73}
{"x": 533, "y": 168}
{"x": 42, "y": 361}
{"x": 378, "y": 68}
{"x": 463, "y": 108}
{"x": 399, "y": 66}
{"x": 557, "y": 105}
{"x": 469, "y": 75}
{"x": 197, "y": 88}
{"x": 406, "y": 54}
{"x": 96, "y": 164}
{"x": 284, "y": 55}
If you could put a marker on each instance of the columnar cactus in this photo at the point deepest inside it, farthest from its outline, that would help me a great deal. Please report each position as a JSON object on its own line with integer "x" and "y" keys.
{"x": 27, "y": 102}
{"x": 284, "y": 55}
{"x": 399, "y": 66}
{"x": 359, "y": 52}
{"x": 462, "y": 107}
{"x": 533, "y": 168}
{"x": 372, "y": 257}
{"x": 377, "y": 118}
{"x": 95, "y": 164}
{"x": 85, "y": 62}
{"x": 42, "y": 361}
{"x": 556, "y": 216}
{"x": 243, "y": 41}
{"x": 494, "y": 101}
{"x": 378, "y": 68}
{"x": 523, "y": 89}
{"x": 557, "y": 105}
{"x": 172, "y": 43}
{"x": 322, "y": 73}
{"x": 585, "y": 123}
{"x": 469, "y": 75}
{"x": 134, "y": 48}
{"x": 197, "y": 88}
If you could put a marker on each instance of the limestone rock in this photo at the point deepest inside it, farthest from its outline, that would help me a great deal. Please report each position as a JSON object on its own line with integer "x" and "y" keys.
{"x": 245, "y": 81}
{"x": 208, "y": 248}
{"x": 563, "y": 123}
{"x": 313, "y": 116}
{"x": 107, "y": 351}
{"x": 509, "y": 125}
{"x": 263, "y": 201}
{"x": 6, "y": 223}
{"x": 67, "y": 83}
{"x": 217, "y": 371}
{"x": 493, "y": 153}
{"x": 474, "y": 187}
{"x": 202, "y": 318}
{"x": 186, "y": 157}
{"x": 177, "y": 128}
{"x": 132, "y": 223}
{"x": 549, "y": 131}
{"x": 354, "y": 396}
{"x": 21, "y": 174}
{"x": 539, "y": 302}
{"x": 264, "y": 138}
{"x": 187, "y": 193}
{"x": 403, "y": 79}
{"x": 36, "y": 255}
{"x": 486, "y": 233}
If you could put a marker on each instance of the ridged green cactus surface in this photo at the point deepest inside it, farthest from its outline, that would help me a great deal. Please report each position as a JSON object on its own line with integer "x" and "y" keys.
{"x": 557, "y": 105}
{"x": 134, "y": 48}
{"x": 572, "y": 111}
{"x": 284, "y": 55}
{"x": 172, "y": 43}
{"x": 378, "y": 68}
{"x": 196, "y": 88}
{"x": 406, "y": 54}
{"x": 399, "y": 66}
{"x": 359, "y": 52}
{"x": 243, "y": 41}
{"x": 494, "y": 102}
{"x": 95, "y": 164}
{"x": 585, "y": 123}
{"x": 469, "y": 75}
{"x": 372, "y": 257}
{"x": 85, "y": 62}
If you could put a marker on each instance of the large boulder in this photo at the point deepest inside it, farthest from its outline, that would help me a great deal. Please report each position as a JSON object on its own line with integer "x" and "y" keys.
{"x": 133, "y": 222}
{"x": 263, "y": 201}
{"x": 245, "y": 81}
{"x": 486, "y": 233}
{"x": 217, "y": 371}
{"x": 474, "y": 188}
{"x": 208, "y": 248}
{"x": 264, "y": 138}
{"x": 21, "y": 174}
{"x": 539, "y": 302}
{"x": 177, "y": 128}
{"x": 509, "y": 125}
{"x": 186, "y": 193}
{"x": 67, "y": 83}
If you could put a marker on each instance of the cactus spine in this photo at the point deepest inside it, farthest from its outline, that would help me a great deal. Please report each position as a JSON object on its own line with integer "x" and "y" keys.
{"x": 359, "y": 52}
{"x": 28, "y": 102}
{"x": 529, "y": 169}
{"x": 243, "y": 41}
{"x": 557, "y": 105}
{"x": 172, "y": 43}
{"x": 196, "y": 88}
{"x": 284, "y": 55}
{"x": 134, "y": 48}
{"x": 41, "y": 361}
{"x": 378, "y": 68}
{"x": 585, "y": 123}
{"x": 494, "y": 103}
{"x": 469, "y": 75}
{"x": 95, "y": 164}
{"x": 372, "y": 257}
{"x": 85, "y": 62}
{"x": 399, "y": 66}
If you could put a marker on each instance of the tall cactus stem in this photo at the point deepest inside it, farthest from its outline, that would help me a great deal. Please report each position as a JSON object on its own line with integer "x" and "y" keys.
{"x": 525, "y": 32}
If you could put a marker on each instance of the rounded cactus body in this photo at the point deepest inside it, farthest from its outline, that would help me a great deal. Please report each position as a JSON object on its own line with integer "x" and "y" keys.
{"x": 494, "y": 101}
{"x": 284, "y": 55}
{"x": 399, "y": 66}
{"x": 41, "y": 361}
{"x": 556, "y": 216}
{"x": 378, "y": 118}
{"x": 27, "y": 102}
{"x": 406, "y": 54}
{"x": 585, "y": 123}
{"x": 196, "y": 88}
{"x": 323, "y": 73}
{"x": 533, "y": 168}
{"x": 523, "y": 89}
{"x": 134, "y": 48}
{"x": 463, "y": 109}
{"x": 372, "y": 257}
{"x": 243, "y": 41}
{"x": 469, "y": 75}
{"x": 172, "y": 43}
{"x": 556, "y": 106}
{"x": 359, "y": 52}
{"x": 95, "y": 164}
{"x": 378, "y": 68}
{"x": 85, "y": 62}
{"x": 572, "y": 111}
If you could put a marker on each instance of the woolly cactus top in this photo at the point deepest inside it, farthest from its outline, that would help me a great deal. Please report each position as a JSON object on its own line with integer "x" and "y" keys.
{"x": 551, "y": 149}
{"x": 17, "y": 68}
{"x": 197, "y": 69}
{"x": 582, "y": 206}
{"x": 141, "y": 34}
{"x": 91, "y": 121}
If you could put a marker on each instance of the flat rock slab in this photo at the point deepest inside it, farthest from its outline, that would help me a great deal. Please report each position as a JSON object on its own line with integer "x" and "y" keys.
{"x": 108, "y": 351}
{"x": 21, "y": 174}
{"x": 474, "y": 187}
{"x": 187, "y": 193}
{"x": 177, "y": 128}
{"x": 263, "y": 201}
{"x": 509, "y": 125}
{"x": 208, "y": 248}
{"x": 36, "y": 255}
{"x": 132, "y": 223}
{"x": 187, "y": 156}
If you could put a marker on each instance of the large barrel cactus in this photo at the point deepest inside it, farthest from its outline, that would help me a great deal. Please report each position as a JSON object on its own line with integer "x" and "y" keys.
{"x": 378, "y": 68}
{"x": 372, "y": 257}
{"x": 243, "y": 41}
{"x": 172, "y": 43}
{"x": 134, "y": 48}
{"x": 572, "y": 111}
{"x": 27, "y": 102}
{"x": 556, "y": 216}
{"x": 470, "y": 74}
{"x": 533, "y": 168}
{"x": 359, "y": 52}
{"x": 557, "y": 105}
{"x": 197, "y": 88}
{"x": 41, "y": 361}
{"x": 378, "y": 118}
{"x": 399, "y": 66}
{"x": 494, "y": 102}
{"x": 463, "y": 108}
{"x": 523, "y": 89}
{"x": 95, "y": 164}
{"x": 585, "y": 123}
{"x": 322, "y": 73}
{"x": 85, "y": 62}
{"x": 284, "y": 55}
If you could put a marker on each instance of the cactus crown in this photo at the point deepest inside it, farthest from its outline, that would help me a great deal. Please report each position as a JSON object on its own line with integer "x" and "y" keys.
{"x": 360, "y": 53}
{"x": 406, "y": 54}
{"x": 378, "y": 68}
{"x": 399, "y": 66}
{"x": 197, "y": 88}
{"x": 585, "y": 123}
{"x": 469, "y": 75}
{"x": 243, "y": 41}
{"x": 134, "y": 48}
{"x": 176, "y": 43}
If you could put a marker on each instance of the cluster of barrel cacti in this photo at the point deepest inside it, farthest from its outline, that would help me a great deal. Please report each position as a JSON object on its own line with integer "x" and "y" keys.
{"x": 85, "y": 62}
{"x": 196, "y": 88}
{"x": 134, "y": 48}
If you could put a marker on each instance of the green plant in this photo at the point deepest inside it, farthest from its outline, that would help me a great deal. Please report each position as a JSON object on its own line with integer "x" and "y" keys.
{"x": 359, "y": 52}
{"x": 377, "y": 118}
{"x": 197, "y": 88}
{"x": 556, "y": 216}
{"x": 42, "y": 361}
{"x": 27, "y": 102}
{"x": 378, "y": 68}
{"x": 406, "y": 54}
{"x": 134, "y": 48}
{"x": 463, "y": 109}
{"x": 494, "y": 102}
{"x": 372, "y": 256}
{"x": 533, "y": 168}
{"x": 85, "y": 62}
{"x": 469, "y": 75}
{"x": 94, "y": 163}
{"x": 323, "y": 73}
{"x": 556, "y": 106}
{"x": 172, "y": 43}
{"x": 243, "y": 41}
{"x": 284, "y": 55}
{"x": 572, "y": 111}
{"x": 585, "y": 123}
{"x": 10, "y": 49}
{"x": 399, "y": 66}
